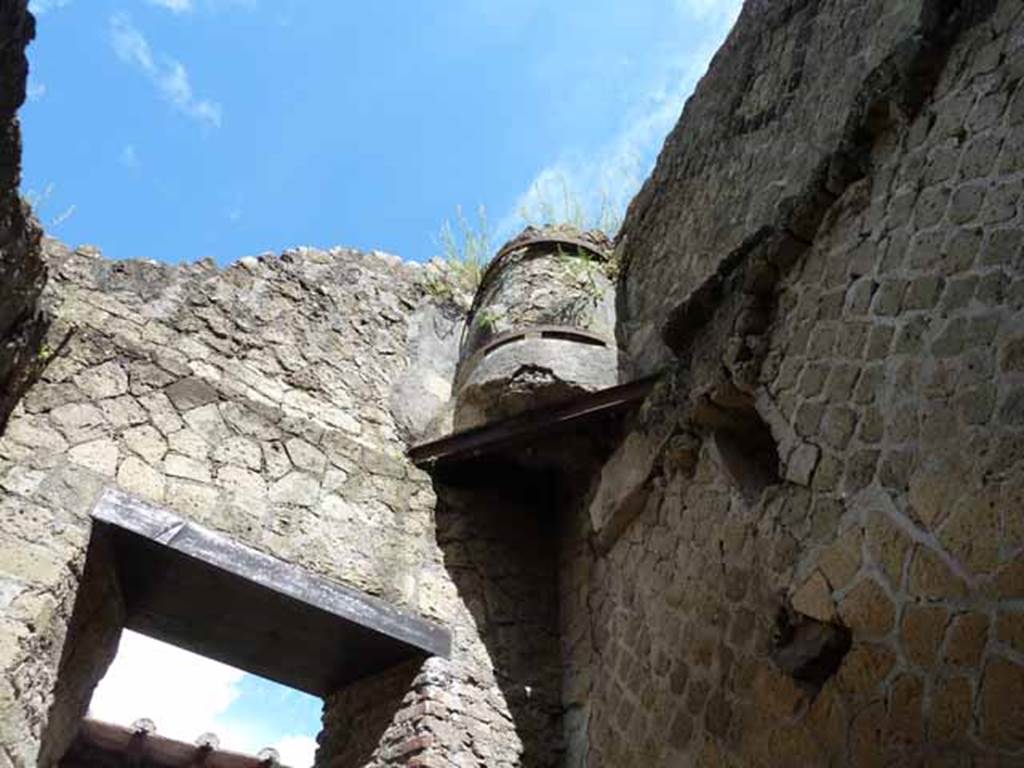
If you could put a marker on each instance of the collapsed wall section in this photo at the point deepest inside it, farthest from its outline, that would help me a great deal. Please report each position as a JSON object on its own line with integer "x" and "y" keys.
{"x": 869, "y": 319}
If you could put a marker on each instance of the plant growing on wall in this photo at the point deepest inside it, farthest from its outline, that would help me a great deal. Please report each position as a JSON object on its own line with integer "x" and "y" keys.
{"x": 466, "y": 246}
{"x": 42, "y": 201}
{"x": 465, "y": 249}
{"x": 488, "y": 319}
{"x": 559, "y": 204}
{"x": 582, "y": 270}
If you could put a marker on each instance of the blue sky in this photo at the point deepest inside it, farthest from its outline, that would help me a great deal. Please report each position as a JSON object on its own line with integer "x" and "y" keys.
{"x": 180, "y": 129}
{"x": 177, "y": 129}
{"x": 186, "y": 695}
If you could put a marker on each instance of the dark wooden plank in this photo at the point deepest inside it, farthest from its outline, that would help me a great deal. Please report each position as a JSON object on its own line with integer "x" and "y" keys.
{"x": 210, "y": 594}
{"x": 524, "y": 428}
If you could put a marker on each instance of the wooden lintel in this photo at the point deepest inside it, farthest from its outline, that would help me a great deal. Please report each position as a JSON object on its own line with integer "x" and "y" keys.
{"x": 204, "y": 591}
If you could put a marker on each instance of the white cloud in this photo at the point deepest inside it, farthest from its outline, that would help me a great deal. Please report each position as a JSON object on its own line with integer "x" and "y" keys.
{"x": 168, "y": 75}
{"x": 613, "y": 178}
{"x": 39, "y": 7}
{"x": 184, "y": 695}
{"x": 129, "y": 157}
{"x": 130, "y": 44}
{"x": 609, "y": 177}
{"x": 708, "y": 9}
{"x": 181, "y": 7}
{"x": 35, "y": 90}
{"x": 181, "y": 692}
{"x": 296, "y": 750}
{"x": 174, "y": 84}
{"x": 174, "y": 6}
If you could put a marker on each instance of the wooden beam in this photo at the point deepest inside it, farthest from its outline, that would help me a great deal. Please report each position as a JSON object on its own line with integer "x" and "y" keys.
{"x": 204, "y": 591}
{"x": 526, "y": 428}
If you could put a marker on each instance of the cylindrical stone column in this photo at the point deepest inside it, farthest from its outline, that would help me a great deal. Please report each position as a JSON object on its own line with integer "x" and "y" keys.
{"x": 542, "y": 326}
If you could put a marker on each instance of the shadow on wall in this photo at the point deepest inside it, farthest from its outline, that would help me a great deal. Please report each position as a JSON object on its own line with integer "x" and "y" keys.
{"x": 357, "y": 718}
{"x": 497, "y": 529}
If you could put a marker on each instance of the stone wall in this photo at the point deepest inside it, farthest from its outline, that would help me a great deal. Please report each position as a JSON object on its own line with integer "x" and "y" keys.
{"x": 497, "y": 537}
{"x": 776, "y": 130}
{"x": 21, "y": 267}
{"x": 497, "y": 702}
{"x": 255, "y": 401}
{"x": 839, "y": 267}
{"x": 807, "y": 548}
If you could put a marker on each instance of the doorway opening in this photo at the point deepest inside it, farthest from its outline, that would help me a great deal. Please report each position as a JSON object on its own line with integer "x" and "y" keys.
{"x": 157, "y": 699}
{"x": 220, "y": 607}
